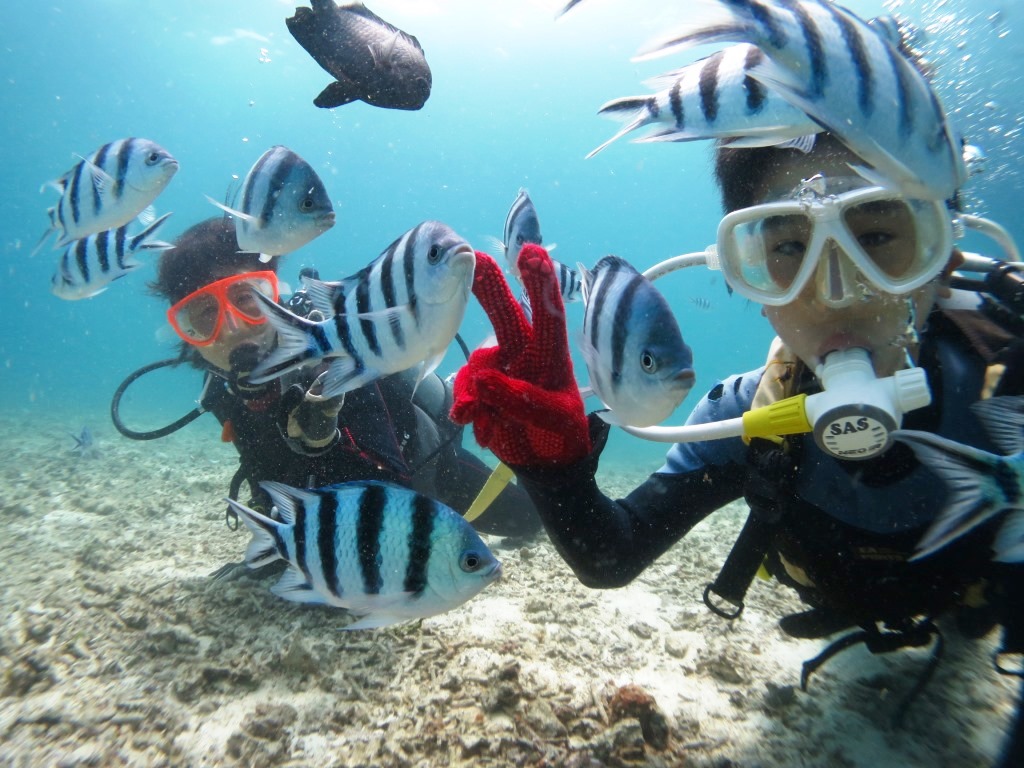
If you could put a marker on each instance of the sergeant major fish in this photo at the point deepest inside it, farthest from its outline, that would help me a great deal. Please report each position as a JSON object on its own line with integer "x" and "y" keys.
{"x": 372, "y": 60}
{"x": 91, "y": 264}
{"x": 109, "y": 188}
{"x": 714, "y": 98}
{"x": 982, "y": 485}
{"x": 846, "y": 76}
{"x": 384, "y": 552}
{"x": 638, "y": 363}
{"x": 283, "y": 205}
{"x": 402, "y": 310}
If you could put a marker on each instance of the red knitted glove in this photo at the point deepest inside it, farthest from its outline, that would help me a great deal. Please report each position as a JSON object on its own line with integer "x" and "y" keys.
{"x": 521, "y": 395}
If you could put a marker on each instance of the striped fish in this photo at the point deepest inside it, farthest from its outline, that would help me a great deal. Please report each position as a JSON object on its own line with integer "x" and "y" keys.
{"x": 401, "y": 311}
{"x": 109, "y": 188}
{"x": 283, "y": 205}
{"x": 384, "y": 552}
{"x": 982, "y": 485}
{"x": 522, "y": 226}
{"x": 91, "y": 264}
{"x": 714, "y": 98}
{"x": 570, "y": 285}
{"x": 846, "y": 76}
{"x": 639, "y": 365}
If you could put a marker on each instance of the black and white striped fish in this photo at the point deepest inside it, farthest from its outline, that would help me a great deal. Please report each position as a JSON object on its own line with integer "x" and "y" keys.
{"x": 109, "y": 188}
{"x": 570, "y": 285}
{"x": 639, "y": 365}
{"x": 283, "y": 205}
{"x": 846, "y": 76}
{"x": 522, "y": 226}
{"x": 401, "y": 311}
{"x": 91, "y": 264}
{"x": 384, "y": 552}
{"x": 982, "y": 485}
{"x": 714, "y": 98}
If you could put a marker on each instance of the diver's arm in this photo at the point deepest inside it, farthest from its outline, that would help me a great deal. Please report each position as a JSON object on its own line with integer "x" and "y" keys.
{"x": 609, "y": 542}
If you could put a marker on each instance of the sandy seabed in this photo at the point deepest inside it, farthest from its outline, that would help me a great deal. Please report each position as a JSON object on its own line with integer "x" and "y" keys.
{"x": 116, "y": 648}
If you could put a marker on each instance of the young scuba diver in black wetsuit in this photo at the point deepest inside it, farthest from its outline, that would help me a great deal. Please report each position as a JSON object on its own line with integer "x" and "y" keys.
{"x": 284, "y": 430}
{"x": 840, "y": 531}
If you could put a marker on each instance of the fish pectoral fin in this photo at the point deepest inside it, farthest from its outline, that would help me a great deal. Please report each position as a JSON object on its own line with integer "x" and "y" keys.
{"x": 384, "y": 53}
{"x": 376, "y": 621}
{"x": 335, "y": 95}
{"x": 346, "y": 374}
{"x": 101, "y": 180}
{"x": 232, "y": 212}
{"x": 294, "y": 587}
{"x": 377, "y": 610}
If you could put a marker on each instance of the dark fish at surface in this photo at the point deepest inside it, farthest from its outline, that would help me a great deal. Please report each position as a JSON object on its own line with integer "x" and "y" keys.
{"x": 370, "y": 59}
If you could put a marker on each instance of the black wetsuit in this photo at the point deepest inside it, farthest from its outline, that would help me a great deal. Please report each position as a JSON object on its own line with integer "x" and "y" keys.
{"x": 384, "y": 433}
{"x": 839, "y": 532}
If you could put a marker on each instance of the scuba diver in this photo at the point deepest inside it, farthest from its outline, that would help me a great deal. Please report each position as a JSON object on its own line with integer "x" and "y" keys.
{"x": 855, "y": 280}
{"x": 285, "y": 430}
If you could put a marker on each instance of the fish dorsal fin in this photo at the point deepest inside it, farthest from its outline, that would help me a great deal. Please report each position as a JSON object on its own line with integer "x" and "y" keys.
{"x": 1003, "y": 419}
{"x": 284, "y": 497}
{"x": 324, "y": 295}
{"x": 361, "y": 10}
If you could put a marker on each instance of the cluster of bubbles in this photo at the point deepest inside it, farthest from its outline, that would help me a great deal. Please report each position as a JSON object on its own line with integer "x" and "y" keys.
{"x": 971, "y": 46}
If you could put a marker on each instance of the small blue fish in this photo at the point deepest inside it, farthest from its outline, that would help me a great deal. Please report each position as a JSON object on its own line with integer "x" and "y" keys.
{"x": 109, "y": 188}
{"x": 283, "y": 205}
{"x": 84, "y": 443}
{"x": 522, "y": 226}
{"x": 639, "y": 365}
{"x": 981, "y": 484}
{"x": 384, "y": 552}
{"x": 714, "y": 98}
{"x": 91, "y": 264}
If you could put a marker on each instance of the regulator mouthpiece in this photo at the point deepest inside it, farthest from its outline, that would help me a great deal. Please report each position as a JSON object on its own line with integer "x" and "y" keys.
{"x": 856, "y": 414}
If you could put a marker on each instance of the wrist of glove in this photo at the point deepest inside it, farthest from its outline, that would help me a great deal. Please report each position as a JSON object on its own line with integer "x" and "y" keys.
{"x": 521, "y": 396}
{"x": 311, "y": 417}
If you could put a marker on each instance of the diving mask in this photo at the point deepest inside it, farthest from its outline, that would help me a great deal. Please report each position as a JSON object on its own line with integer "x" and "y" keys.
{"x": 199, "y": 317}
{"x": 852, "y": 241}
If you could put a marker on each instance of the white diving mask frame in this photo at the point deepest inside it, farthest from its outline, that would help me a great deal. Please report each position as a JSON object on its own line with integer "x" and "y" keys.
{"x": 853, "y": 240}
{"x": 854, "y": 416}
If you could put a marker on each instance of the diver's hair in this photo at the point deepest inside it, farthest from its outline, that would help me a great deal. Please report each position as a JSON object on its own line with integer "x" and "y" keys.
{"x": 202, "y": 254}
{"x": 741, "y": 172}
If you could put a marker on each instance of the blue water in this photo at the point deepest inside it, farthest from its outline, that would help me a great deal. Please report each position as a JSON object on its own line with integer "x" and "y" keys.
{"x": 513, "y": 104}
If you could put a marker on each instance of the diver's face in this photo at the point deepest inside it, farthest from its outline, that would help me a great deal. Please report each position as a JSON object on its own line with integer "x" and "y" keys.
{"x": 879, "y": 322}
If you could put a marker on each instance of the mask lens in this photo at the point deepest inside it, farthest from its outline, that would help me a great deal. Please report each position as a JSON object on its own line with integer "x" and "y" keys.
{"x": 242, "y": 297}
{"x": 785, "y": 240}
{"x": 886, "y": 231}
{"x": 198, "y": 319}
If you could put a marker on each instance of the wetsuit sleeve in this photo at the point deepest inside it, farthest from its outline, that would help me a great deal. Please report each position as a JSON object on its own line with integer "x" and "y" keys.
{"x": 607, "y": 542}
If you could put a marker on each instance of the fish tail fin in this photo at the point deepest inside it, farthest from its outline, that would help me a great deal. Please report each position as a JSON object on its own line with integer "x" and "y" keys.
{"x": 636, "y": 110}
{"x": 974, "y": 479}
{"x": 141, "y": 240}
{"x": 263, "y": 547}
{"x": 298, "y": 340}
{"x": 711, "y": 21}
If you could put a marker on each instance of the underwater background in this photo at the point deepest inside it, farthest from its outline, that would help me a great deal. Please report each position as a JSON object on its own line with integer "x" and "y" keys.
{"x": 514, "y": 102}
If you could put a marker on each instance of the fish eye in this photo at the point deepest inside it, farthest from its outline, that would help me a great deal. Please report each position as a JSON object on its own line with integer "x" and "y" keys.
{"x": 520, "y": 239}
{"x": 470, "y": 561}
{"x": 648, "y": 362}
{"x": 152, "y": 158}
{"x": 434, "y": 254}
{"x": 307, "y": 204}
